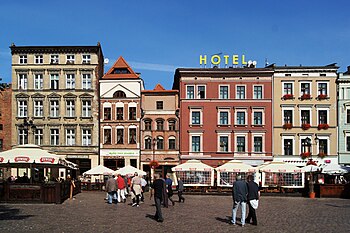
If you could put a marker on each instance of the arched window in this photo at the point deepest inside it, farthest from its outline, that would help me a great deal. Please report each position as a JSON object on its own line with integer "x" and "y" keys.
{"x": 160, "y": 143}
{"x": 172, "y": 143}
{"x": 119, "y": 94}
{"x": 148, "y": 124}
{"x": 160, "y": 124}
{"x": 148, "y": 143}
{"x": 172, "y": 124}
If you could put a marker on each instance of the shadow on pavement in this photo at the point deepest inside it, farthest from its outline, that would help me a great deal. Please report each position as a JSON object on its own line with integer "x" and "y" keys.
{"x": 224, "y": 220}
{"x": 7, "y": 213}
{"x": 151, "y": 217}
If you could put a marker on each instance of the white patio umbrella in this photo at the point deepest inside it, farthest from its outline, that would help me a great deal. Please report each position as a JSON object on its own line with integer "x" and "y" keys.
{"x": 129, "y": 170}
{"x": 99, "y": 170}
{"x": 311, "y": 168}
{"x": 334, "y": 169}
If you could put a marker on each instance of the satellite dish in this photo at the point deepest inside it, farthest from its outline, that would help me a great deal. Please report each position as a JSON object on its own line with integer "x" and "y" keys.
{"x": 106, "y": 61}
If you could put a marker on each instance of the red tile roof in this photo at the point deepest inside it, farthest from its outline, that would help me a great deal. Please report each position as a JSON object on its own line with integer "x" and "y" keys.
{"x": 121, "y": 65}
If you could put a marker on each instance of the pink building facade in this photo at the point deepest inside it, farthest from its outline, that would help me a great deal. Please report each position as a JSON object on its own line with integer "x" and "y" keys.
{"x": 225, "y": 114}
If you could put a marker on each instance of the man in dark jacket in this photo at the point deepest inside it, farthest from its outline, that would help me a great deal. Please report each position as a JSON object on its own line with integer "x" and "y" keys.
{"x": 253, "y": 195}
{"x": 111, "y": 188}
{"x": 180, "y": 189}
{"x": 239, "y": 194}
{"x": 158, "y": 192}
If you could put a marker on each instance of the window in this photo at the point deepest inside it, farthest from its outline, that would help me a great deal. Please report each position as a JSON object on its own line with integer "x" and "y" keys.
{"x": 223, "y": 118}
{"x": 23, "y": 59}
{"x": 38, "y": 81}
{"x": 22, "y": 81}
{"x": 305, "y": 88}
{"x": 54, "y": 81}
{"x": 22, "y": 136}
{"x": 120, "y": 113}
{"x": 258, "y": 118}
{"x": 323, "y": 146}
{"x": 348, "y": 116}
{"x": 86, "y": 58}
{"x": 86, "y": 81}
{"x": 223, "y": 92}
{"x": 54, "y": 137}
{"x": 160, "y": 143}
{"x": 70, "y": 81}
{"x": 86, "y": 137}
{"x": 172, "y": 145}
{"x": 190, "y": 92}
{"x": 132, "y": 113}
{"x": 70, "y": 59}
{"x": 223, "y": 143}
{"x": 120, "y": 136}
{"x": 160, "y": 125}
{"x": 159, "y": 104}
{"x": 288, "y": 88}
{"x": 38, "y": 108}
{"x": 38, "y": 137}
{"x": 201, "y": 92}
{"x": 107, "y": 139}
{"x": 240, "y": 118}
{"x": 119, "y": 94}
{"x": 54, "y": 108}
{"x": 107, "y": 113}
{"x": 257, "y": 92}
{"x": 70, "y": 137}
{"x": 288, "y": 146}
{"x": 322, "y": 117}
{"x": 287, "y": 116}
{"x": 241, "y": 144}
{"x": 1, "y": 127}
{"x": 70, "y": 108}
{"x": 348, "y": 143}
{"x": 54, "y": 58}
{"x": 22, "y": 108}
{"x": 86, "y": 108}
{"x": 196, "y": 146}
{"x": 240, "y": 94}
{"x": 38, "y": 59}
{"x": 132, "y": 136}
{"x": 172, "y": 125}
{"x": 322, "y": 89}
{"x": 196, "y": 115}
{"x": 258, "y": 144}
{"x": 148, "y": 125}
{"x": 148, "y": 143}
{"x": 305, "y": 116}
{"x": 305, "y": 145}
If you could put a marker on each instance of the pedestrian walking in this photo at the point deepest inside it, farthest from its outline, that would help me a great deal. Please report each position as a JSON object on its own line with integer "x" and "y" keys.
{"x": 158, "y": 188}
{"x": 180, "y": 189}
{"x": 143, "y": 187}
{"x": 136, "y": 190}
{"x": 169, "y": 188}
{"x": 253, "y": 200}
{"x": 111, "y": 188}
{"x": 121, "y": 189}
{"x": 239, "y": 194}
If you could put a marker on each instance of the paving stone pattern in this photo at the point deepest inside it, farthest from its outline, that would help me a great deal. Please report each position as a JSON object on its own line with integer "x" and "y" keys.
{"x": 200, "y": 213}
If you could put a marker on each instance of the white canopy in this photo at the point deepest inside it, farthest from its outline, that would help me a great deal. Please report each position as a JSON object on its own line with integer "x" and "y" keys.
{"x": 311, "y": 168}
{"x": 280, "y": 167}
{"x": 129, "y": 170}
{"x": 99, "y": 170}
{"x": 334, "y": 169}
{"x": 192, "y": 165}
{"x": 30, "y": 154}
{"x": 235, "y": 166}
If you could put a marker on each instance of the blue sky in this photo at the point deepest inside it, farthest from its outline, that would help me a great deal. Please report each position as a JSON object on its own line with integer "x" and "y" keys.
{"x": 155, "y": 37}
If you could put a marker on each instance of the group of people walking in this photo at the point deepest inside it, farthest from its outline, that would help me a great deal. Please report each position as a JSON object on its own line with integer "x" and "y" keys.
{"x": 245, "y": 192}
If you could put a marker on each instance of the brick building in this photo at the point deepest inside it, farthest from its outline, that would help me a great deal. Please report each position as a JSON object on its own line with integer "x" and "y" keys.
{"x": 159, "y": 129}
{"x": 226, "y": 113}
{"x": 5, "y": 116}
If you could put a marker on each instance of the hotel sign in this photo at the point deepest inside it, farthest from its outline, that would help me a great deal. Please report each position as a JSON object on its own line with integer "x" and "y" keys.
{"x": 226, "y": 59}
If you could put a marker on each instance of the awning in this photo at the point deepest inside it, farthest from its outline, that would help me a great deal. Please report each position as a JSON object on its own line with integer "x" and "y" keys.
{"x": 192, "y": 165}
{"x": 99, "y": 170}
{"x": 129, "y": 170}
{"x": 235, "y": 166}
{"x": 280, "y": 167}
{"x": 334, "y": 169}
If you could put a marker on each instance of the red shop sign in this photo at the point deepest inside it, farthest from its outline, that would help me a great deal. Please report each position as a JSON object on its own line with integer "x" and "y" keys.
{"x": 47, "y": 160}
{"x": 21, "y": 159}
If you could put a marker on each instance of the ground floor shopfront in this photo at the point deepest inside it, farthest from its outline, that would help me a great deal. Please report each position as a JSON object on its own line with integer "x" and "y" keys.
{"x": 119, "y": 158}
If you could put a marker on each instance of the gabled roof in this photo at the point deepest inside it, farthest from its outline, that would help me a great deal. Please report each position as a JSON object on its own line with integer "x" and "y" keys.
{"x": 120, "y": 70}
{"x": 159, "y": 89}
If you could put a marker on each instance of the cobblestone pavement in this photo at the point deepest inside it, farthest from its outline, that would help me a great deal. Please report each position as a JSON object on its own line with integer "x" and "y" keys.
{"x": 89, "y": 213}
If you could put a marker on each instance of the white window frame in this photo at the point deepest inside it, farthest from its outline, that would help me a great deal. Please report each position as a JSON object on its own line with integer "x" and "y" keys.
{"x": 86, "y": 58}
{"x": 171, "y": 138}
{"x": 200, "y": 110}
{"x": 200, "y": 135}
{"x": 197, "y": 91}
{"x": 70, "y": 108}
{"x": 38, "y": 59}
{"x": 262, "y": 91}
{"x": 86, "y": 79}
{"x": 38, "y": 81}
{"x": 54, "y": 108}
{"x": 70, "y": 137}
{"x": 245, "y": 91}
{"x": 38, "y": 108}
{"x": 70, "y": 81}
{"x": 305, "y": 109}
{"x": 228, "y": 92}
{"x": 262, "y": 135}
{"x": 194, "y": 91}
{"x": 23, "y": 59}
{"x": 22, "y": 81}
{"x": 322, "y": 82}
{"x": 254, "y": 110}
{"x": 245, "y": 135}
{"x": 282, "y": 144}
{"x": 228, "y": 135}
{"x": 38, "y": 137}
{"x": 54, "y": 137}
{"x": 328, "y": 144}
{"x": 56, "y": 78}
{"x": 220, "y": 110}
{"x": 70, "y": 58}
{"x": 322, "y": 109}
{"x": 22, "y": 136}
{"x": 293, "y": 117}
{"x": 86, "y": 108}
{"x": 245, "y": 115}
{"x": 54, "y": 59}
{"x": 129, "y": 128}
{"x": 293, "y": 89}
{"x": 304, "y": 82}
{"x": 86, "y": 137}
{"x": 303, "y": 137}
{"x": 22, "y": 108}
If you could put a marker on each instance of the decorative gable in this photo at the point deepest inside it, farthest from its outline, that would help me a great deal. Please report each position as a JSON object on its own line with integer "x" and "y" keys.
{"x": 120, "y": 70}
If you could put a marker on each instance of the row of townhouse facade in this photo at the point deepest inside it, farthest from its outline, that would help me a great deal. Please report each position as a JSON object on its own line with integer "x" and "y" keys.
{"x": 63, "y": 101}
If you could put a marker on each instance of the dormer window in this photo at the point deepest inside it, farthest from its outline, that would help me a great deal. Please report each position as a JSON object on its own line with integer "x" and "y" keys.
{"x": 70, "y": 59}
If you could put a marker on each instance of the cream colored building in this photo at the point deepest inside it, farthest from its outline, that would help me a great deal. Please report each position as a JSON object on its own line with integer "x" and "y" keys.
{"x": 55, "y": 100}
{"x": 305, "y": 114}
